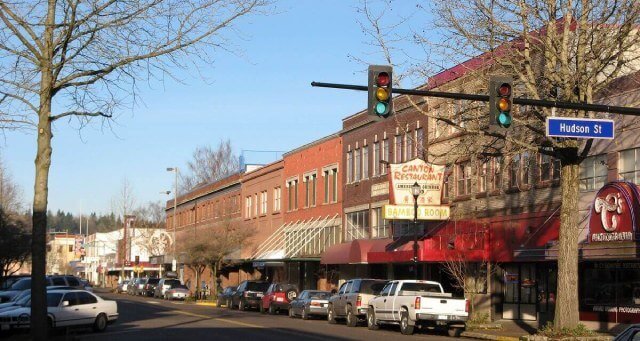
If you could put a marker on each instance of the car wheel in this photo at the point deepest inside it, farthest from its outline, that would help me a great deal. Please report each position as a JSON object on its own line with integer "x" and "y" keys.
{"x": 372, "y": 324}
{"x": 272, "y": 309}
{"x": 405, "y": 328}
{"x": 331, "y": 316}
{"x": 100, "y": 324}
{"x": 305, "y": 315}
{"x": 455, "y": 332}
{"x": 352, "y": 320}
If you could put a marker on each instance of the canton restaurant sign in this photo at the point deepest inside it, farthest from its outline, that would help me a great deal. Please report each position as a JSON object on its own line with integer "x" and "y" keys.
{"x": 430, "y": 177}
{"x": 614, "y": 213}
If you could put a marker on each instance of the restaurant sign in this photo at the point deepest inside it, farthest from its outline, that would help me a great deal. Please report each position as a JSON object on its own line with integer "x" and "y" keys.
{"x": 614, "y": 212}
{"x": 406, "y": 212}
{"x": 430, "y": 177}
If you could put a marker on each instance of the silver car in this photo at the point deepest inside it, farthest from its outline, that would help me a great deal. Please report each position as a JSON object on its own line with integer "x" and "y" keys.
{"x": 310, "y": 303}
{"x": 177, "y": 292}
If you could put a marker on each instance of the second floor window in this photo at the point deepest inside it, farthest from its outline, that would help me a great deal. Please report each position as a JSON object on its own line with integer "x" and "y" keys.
{"x": 593, "y": 172}
{"x": 310, "y": 190}
{"x": 357, "y": 163}
{"x": 398, "y": 153}
{"x": 276, "y": 199}
{"x": 464, "y": 178}
{"x": 349, "y": 167}
{"x": 365, "y": 162}
{"x": 549, "y": 168}
{"x": 247, "y": 212}
{"x": 386, "y": 154}
{"x": 410, "y": 153}
{"x": 292, "y": 195}
{"x": 483, "y": 175}
{"x": 419, "y": 142}
{"x": 519, "y": 170}
{"x": 630, "y": 165}
{"x": 376, "y": 159}
{"x": 263, "y": 202}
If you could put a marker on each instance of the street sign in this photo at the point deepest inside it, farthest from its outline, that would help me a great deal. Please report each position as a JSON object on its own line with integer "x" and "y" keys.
{"x": 405, "y": 212}
{"x": 586, "y": 128}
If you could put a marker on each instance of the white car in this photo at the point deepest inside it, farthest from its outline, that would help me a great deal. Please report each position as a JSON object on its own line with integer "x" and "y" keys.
{"x": 66, "y": 308}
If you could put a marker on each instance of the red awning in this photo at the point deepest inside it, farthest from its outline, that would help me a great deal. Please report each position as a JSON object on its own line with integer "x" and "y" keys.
{"x": 353, "y": 252}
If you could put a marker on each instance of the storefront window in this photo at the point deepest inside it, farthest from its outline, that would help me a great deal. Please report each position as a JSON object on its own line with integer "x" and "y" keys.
{"x": 610, "y": 285}
{"x": 357, "y": 225}
{"x": 379, "y": 227}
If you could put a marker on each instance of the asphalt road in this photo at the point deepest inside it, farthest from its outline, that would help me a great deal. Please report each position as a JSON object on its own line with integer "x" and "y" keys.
{"x": 144, "y": 318}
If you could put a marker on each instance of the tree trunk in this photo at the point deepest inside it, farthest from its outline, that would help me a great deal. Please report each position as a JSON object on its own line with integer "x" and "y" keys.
{"x": 566, "y": 314}
{"x": 39, "y": 323}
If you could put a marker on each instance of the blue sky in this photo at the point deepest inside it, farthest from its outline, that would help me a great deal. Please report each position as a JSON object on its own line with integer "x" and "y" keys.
{"x": 261, "y": 100}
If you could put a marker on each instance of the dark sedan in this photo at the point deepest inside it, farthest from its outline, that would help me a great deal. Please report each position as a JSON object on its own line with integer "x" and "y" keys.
{"x": 225, "y": 296}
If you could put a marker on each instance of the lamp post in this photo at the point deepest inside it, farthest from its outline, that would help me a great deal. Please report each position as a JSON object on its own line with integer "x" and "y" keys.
{"x": 174, "y": 264}
{"x": 415, "y": 191}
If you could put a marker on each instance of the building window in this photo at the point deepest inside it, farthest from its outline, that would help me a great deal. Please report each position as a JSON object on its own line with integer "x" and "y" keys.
{"x": 519, "y": 170}
{"x": 630, "y": 165}
{"x": 276, "y": 199}
{"x": 379, "y": 228}
{"x": 446, "y": 183}
{"x": 549, "y": 168}
{"x": 357, "y": 225}
{"x": 292, "y": 195}
{"x": 376, "y": 158}
{"x": 247, "y": 212}
{"x": 310, "y": 190}
{"x": 419, "y": 142}
{"x": 410, "y": 152}
{"x": 365, "y": 162}
{"x": 326, "y": 174}
{"x": 349, "y": 167}
{"x": 495, "y": 177}
{"x": 255, "y": 213}
{"x": 357, "y": 163}
{"x": 386, "y": 151}
{"x": 483, "y": 174}
{"x": 334, "y": 185}
{"x": 464, "y": 178}
{"x": 398, "y": 154}
{"x": 263, "y": 202}
{"x": 593, "y": 172}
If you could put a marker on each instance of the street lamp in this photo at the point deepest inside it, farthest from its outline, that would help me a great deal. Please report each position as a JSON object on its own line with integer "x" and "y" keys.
{"x": 175, "y": 207}
{"x": 415, "y": 191}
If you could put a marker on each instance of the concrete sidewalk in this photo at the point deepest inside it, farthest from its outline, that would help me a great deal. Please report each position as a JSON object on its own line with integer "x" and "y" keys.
{"x": 510, "y": 331}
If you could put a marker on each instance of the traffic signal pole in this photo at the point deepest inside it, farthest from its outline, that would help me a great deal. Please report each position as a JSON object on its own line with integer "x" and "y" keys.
{"x": 485, "y": 98}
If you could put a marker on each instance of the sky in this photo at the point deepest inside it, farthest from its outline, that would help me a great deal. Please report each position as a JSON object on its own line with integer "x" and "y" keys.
{"x": 260, "y": 100}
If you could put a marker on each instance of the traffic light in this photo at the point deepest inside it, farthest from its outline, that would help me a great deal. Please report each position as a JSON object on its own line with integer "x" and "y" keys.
{"x": 380, "y": 91}
{"x": 500, "y": 101}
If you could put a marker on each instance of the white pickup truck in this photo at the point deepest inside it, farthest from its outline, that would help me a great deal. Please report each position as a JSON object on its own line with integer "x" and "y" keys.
{"x": 412, "y": 303}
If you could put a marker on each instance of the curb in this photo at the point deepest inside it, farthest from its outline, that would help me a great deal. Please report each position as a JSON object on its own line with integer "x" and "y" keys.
{"x": 208, "y": 304}
{"x": 482, "y": 336}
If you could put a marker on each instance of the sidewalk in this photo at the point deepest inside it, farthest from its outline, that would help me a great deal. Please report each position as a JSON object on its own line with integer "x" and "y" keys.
{"x": 510, "y": 331}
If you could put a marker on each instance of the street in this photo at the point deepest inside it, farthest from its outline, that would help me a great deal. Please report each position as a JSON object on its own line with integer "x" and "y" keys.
{"x": 144, "y": 318}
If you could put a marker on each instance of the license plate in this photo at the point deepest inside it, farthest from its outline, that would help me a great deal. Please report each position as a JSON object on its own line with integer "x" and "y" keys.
{"x": 443, "y": 317}
{"x": 279, "y": 299}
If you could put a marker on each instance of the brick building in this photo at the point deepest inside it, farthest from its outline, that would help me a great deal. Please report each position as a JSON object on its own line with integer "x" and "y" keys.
{"x": 311, "y": 199}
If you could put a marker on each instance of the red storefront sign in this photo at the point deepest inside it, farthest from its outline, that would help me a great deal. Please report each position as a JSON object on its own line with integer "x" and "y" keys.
{"x": 614, "y": 213}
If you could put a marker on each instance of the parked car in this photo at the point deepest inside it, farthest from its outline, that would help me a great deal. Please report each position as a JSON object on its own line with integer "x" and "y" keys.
{"x": 66, "y": 308}
{"x": 149, "y": 286}
{"x": 248, "y": 295}
{"x": 24, "y": 297}
{"x": 177, "y": 292}
{"x": 9, "y": 280}
{"x": 352, "y": 300}
{"x": 225, "y": 296}
{"x": 310, "y": 303}
{"x": 163, "y": 285}
{"x": 86, "y": 285}
{"x": 631, "y": 333}
{"x": 122, "y": 286}
{"x": 277, "y": 297}
{"x": 25, "y": 283}
{"x": 135, "y": 286}
{"x": 411, "y": 303}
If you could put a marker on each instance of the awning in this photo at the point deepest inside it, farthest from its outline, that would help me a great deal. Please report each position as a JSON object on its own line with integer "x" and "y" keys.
{"x": 291, "y": 239}
{"x": 353, "y": 252}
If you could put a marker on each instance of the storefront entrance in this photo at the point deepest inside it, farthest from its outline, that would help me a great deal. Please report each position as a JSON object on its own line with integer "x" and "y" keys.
{"x": 529, "y": 291}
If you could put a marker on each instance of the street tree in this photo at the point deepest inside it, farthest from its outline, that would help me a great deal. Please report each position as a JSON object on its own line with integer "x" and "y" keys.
{"x": 15, "y": 244}
{"x": 570, "y": 51}
{"x": 209, "y": 164}
{"x": 227, "y": 237}
{"x": 80, "y": 60}
{"x": 10, "y": 193}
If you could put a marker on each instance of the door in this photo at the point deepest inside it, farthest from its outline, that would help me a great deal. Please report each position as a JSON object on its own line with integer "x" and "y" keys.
{"x": 87, "y": 307}
{"x": 392, "y": 314}
{"x": 67, "y": 314}
{"x": 547, "y": 283}
{"x": 380, "y": 302}
{"x": 340, "y": 303}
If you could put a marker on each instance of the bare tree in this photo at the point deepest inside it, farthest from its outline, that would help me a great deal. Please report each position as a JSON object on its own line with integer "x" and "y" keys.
{"x": 10, "y": 194}
{"x": 81, "y": 60}
{"x": 469, "y": 277}
{"x": 15, "y": 241}
{"x": 227, "y": 238}
{"x": 569, "y": 51}
{"x": 210, "y": 164}
{"x": 123, "y": 203}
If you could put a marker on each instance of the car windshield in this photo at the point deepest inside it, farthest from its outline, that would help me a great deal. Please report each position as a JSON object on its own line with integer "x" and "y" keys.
{"x": 22, "y": 295}
{"x": 24, "y": 301}
{"x": 319, "y": 295}
{"x": 257, "y": 286}
{"x": 372, "y": 287}
{"x": 420, "y": 287}
{"x": 22, "y": 284}
{"x": 153, "y": 281}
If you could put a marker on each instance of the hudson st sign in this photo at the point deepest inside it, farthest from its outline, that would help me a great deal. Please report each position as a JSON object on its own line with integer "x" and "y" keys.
{"x": 587, "y": 128}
